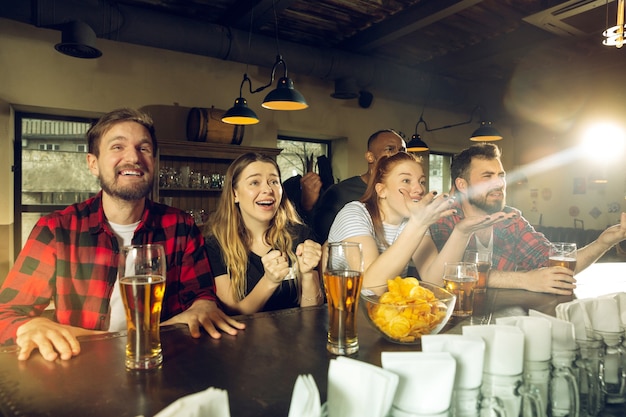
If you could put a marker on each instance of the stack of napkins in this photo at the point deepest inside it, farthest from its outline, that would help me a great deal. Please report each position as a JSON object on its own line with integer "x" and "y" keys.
{"x": 563, "y": 336}
{"x": 593, "y": 317}
{"x": 504, "y": 348}
{"x": 210, "y": 402}
{"x": 469, "y": 353}
{"x": 357, "y": 389}
{"x": 426, "y": 382}
{"x": 537, "y": 336}
{"x": 305, "y": 399}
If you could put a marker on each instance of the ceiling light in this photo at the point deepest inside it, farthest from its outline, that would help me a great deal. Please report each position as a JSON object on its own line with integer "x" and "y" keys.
{"x": 285, "y": 96}
{"x": 485, "y": 133}
{"x": 240, "y": 113}
{"x": 615, "y": 35}
{"x": 416, "y": 144}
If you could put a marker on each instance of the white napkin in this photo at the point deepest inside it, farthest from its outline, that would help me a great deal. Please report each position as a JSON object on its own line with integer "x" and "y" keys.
{"x": 599, "y": 316}
{"x": 537, "y": 336}
{"x": 620, "y": 298}
{"x": 563, "y": 337}
{"x": 426, "y": 381}
{"x": 305, "y": 399}
{"x": 468, "y": 351}
{"x": 504, "y": 348}
{"x": 357, "y": 389}
{"x": 210, "y": 402}
{"x": 574, "y": 312}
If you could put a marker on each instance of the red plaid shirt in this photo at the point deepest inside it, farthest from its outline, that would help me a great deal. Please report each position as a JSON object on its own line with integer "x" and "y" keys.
{"x": 71, "y": 258}
{"x": 517, "y": 246}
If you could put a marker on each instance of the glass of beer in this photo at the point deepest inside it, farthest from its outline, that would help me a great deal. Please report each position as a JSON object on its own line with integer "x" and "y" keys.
{"x": 483, "y": 265}
{"x": 141, "y": 273}
{"x": 460, "y": 279}
{"x": 343, "y": 278}
{"x": 563, "y": 254}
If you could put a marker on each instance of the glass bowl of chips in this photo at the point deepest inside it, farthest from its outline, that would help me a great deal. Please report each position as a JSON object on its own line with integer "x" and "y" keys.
{"x": 406, "y": 308}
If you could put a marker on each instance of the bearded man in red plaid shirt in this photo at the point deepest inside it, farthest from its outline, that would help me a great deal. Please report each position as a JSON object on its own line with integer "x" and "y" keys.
{"x": 71, "y": 256}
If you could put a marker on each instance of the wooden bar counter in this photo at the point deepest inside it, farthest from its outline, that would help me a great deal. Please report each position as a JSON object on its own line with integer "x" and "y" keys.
{"x": 258, "y": 367}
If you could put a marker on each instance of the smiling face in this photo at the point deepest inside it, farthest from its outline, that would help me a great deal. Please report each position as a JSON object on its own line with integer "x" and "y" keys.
{"x": 125, "y": 164}
{"x": 405, "y": 178}
{"x": 485, "y": 187}
{"x": 258, "y": 192}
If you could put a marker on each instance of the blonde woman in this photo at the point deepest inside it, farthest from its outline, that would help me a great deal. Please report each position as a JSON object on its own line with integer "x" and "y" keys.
{"x": 262, "y": 255}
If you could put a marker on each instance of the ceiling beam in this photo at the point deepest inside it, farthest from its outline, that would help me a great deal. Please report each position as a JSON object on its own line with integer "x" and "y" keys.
{"x": 401, "y": 24}
{"x": 254, "y": 14}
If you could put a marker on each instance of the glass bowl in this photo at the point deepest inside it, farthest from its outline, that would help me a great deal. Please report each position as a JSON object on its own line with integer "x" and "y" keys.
{"x": 405, "y": 313}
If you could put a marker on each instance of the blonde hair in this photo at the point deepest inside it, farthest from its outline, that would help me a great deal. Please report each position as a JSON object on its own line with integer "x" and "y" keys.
{"x": 229, "y": 229}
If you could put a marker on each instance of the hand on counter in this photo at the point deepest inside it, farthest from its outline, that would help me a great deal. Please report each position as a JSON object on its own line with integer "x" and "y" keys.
{"x": 207, "y": 314}
{"x": 53, "y": 340}
{"x": 553, "y": 280}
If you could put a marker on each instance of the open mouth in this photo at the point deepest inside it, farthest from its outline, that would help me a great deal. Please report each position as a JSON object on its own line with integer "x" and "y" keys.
{"x": 266, "y": 203}
{"x": 131, "y": 172}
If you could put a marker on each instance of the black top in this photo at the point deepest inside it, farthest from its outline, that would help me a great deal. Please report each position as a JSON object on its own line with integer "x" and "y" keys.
{"x": 285, "y": 295}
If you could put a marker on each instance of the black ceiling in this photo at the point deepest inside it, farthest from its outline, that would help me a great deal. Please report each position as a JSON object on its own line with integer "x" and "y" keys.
{"x": 458, "y": 52}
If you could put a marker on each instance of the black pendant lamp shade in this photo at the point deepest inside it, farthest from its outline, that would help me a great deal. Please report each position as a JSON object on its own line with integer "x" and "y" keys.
{"x": 240, "y": 114}
{"x": 416, "y": 144}
{"x": 485, "y": 133}
{"x": 284, "y": 97}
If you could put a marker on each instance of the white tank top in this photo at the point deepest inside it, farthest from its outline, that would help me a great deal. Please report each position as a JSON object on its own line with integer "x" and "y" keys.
{"x": 117, "y": 319}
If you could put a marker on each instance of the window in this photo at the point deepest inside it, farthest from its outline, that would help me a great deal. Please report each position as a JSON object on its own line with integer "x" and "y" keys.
{"x": 46, "y": 181}
{"x": 48, "y": 147}
{"x": 439, "y": 178}
{"x": 299, "y": 155}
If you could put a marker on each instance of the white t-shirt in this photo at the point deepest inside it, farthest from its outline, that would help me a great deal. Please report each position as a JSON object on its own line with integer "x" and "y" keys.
{"x": 354, "y": 220}
{"x": 117, "y": 321}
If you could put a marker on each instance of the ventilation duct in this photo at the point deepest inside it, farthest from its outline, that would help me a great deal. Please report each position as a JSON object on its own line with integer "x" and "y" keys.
{"x": 126, "y": 23}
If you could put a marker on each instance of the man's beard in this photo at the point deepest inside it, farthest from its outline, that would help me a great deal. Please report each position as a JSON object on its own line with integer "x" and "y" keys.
{"x": 128, "y": 193}
{"x": 480, "y": 202}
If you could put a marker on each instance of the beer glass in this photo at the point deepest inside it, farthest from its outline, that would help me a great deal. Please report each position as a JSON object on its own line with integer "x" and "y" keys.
{"x": 343, "y": 278}
{"x": 564, "y": 395}
{"x": 483, "y": 265}
{"x": 460, "y": 279}
{"x": 142, "y": 273}
{"x": 563, "y": 254}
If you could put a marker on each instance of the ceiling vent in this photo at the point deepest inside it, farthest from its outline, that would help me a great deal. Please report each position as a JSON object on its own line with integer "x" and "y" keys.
{"x": 345, "y": 89}
{"x": 78, "y": 40}
{"x": 574, "y": 17}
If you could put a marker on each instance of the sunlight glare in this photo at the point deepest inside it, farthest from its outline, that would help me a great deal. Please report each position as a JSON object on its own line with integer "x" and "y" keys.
{"x": 603, "y": 142}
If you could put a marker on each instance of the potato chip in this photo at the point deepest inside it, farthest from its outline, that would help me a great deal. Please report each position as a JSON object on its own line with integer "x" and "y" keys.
{"x": 407, "y": 310}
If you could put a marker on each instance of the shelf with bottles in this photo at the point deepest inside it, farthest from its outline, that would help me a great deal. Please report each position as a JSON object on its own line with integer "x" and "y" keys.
{"x": 191, "y": 174}
{"x": 184, "y": 178}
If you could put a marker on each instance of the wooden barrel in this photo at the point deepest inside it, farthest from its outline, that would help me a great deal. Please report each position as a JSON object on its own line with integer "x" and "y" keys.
{"x": 205, "y": 125}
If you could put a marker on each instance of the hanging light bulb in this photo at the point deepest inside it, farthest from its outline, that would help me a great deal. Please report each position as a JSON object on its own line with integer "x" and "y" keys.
{"x": 615, "y": 35}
